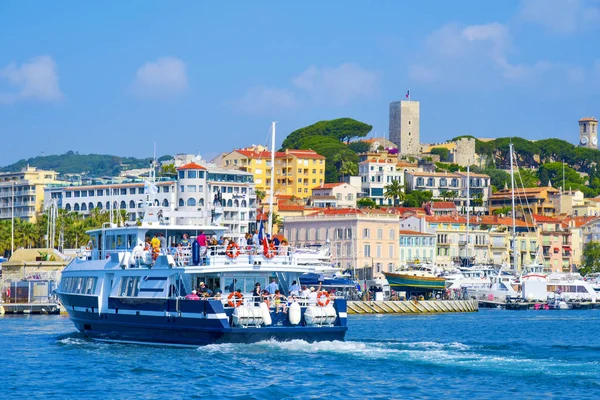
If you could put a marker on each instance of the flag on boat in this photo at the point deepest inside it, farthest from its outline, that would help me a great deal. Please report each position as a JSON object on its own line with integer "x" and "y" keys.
{"x": 262, "y": 238}
{"x": 150, "y": 188}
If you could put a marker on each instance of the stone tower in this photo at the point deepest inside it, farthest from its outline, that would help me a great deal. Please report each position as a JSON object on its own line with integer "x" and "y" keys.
{"x": 404, "y": 126}
{"x": 464, "y": 153}
{"x": 588, "y": 133}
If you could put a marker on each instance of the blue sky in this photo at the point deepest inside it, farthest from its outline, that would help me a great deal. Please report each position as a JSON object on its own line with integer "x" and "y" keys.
{"x": 205, "y": 77}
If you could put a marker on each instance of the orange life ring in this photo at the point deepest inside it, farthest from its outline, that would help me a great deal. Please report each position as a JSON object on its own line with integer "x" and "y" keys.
{"x": 235, "y": 302}
{"x": 230, "y": 252}
{"x": 322, "y": 298}
{"x": 268, "y": 253}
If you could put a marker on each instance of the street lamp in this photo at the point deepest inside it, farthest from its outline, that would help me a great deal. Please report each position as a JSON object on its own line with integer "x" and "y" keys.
{"x": 12, "y": 222}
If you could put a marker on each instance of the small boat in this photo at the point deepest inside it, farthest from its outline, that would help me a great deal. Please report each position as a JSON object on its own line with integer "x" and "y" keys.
{"x": 415, "y": 282}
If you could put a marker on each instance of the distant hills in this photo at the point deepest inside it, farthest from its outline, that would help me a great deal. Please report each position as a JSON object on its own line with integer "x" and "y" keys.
{"x": 93, "y": 165}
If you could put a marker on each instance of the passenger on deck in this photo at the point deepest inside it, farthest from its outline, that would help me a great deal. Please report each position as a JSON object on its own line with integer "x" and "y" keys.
{"x": 204, "y": 291}
{"x": 192, "y": 296}
{"x": 250, "y": 248}
{"x": 203, "y": 243}
{"x": 312, "y": 297}
{"x": 218, "y": 296}
{"x": 284, "y": 248}
{"x": 231, "y": 287}
{"x": 147, "y": 244}
{"x": 162, "y": 240}
{"x": 266, "y": 297}
{"x": 305, "y": 291}
{"x": 257, "y": 294}
{"x": 185, "y": 242}
{"x": 279, "y": 301}
{"x": 273, "y": 286}
{"x": 295, "y": 289}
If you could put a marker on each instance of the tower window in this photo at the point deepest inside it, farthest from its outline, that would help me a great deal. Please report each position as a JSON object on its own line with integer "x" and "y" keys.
{"x": 584, "y": 127}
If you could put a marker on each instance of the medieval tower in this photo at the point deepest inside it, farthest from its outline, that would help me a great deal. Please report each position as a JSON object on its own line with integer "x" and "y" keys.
{"x": 404, "y": 126}
{"x": 588, "y": 133}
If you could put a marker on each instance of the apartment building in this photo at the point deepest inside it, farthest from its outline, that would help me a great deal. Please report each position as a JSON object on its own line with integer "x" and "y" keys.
{"x": 375, "y": 175}
{"x": 22, "y": 193}
{"x": 536, "y": 200}
{"x": 363, "y": 242}
{"x": 342, "y": 195}
{"x": 296, "y": 171}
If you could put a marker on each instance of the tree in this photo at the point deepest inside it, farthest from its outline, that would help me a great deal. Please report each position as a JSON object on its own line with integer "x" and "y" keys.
{"x": 591, "y": 258}
{"x": 503, "y": 210}
{"x": 417, "y": 198}
{"x": 443, "y": 152}
{"x": 366, "y": 202}
{"x": 393, "y": 190}
{"x": 359, "y": 147}
{"x": 260, "y": 195}
{"x": 341, "y": 129}
{"x": 167, "y": 170}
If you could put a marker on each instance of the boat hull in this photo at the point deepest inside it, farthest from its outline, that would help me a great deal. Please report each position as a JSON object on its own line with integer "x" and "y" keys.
{"x": 207, "y": 323}
{"x": 417, "y": 282}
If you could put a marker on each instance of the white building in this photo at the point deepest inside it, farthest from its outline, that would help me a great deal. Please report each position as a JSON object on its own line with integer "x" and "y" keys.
{"x": 375, "y": 175}
{"x": 199, "y": 195}
{"x": 416, "y": 247}
{"x": 342, "y": 195}
{"x": 455, "y": 182}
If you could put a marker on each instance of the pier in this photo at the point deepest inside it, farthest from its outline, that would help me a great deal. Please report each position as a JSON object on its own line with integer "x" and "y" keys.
{"x": 29, "y": 308}
{"x": 412, "y": 307}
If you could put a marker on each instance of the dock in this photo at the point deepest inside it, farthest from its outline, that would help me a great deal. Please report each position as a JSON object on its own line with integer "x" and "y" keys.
{"x": 534, "y": 305}
{"x": 29, "y": 308}
{"x": 412, "y": 307}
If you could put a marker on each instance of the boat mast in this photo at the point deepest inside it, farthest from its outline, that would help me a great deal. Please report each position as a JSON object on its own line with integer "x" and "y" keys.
{"x": 514, "y": 226}
{"x": 272, "y": 186}
{"x": 468, "y": 210}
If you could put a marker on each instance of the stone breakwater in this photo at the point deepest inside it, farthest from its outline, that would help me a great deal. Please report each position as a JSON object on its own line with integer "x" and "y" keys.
{"x": 412, "y": 307}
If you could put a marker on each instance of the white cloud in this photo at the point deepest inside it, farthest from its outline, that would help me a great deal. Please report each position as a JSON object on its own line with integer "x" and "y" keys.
{"x": 562, "y": 16}
{"x": 262, "y": 99}
{"x": 337, "y": 85}
{"x": 34, "y": 80}
{"x": 163, "y": 78}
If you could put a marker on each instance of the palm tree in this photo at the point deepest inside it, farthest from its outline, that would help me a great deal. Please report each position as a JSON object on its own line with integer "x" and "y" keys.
{"x": 394, "y": 191}
{"x": 260, "y": 195}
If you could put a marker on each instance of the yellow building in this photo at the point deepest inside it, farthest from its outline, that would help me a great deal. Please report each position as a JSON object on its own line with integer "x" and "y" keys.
{"x": 24, "y": 189}
{"x": 296, "y": 171}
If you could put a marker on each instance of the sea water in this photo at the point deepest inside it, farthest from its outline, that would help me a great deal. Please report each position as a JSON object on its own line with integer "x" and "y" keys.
{"x": 492, "y": 354}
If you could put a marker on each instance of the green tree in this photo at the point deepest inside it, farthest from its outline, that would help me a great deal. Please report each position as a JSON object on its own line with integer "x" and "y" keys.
{"x": 591, "y": 258}
{"x": 260, "y": 195}
{"x": 167, "y": 170}
{"x": 417, "y": 198}
{"x": 394, "y": 190}
{"x": 359, "y": 147}
{"x": 366, "y": 203}
{"x": 503, "y": 210}
{"x": 443, "y": 152}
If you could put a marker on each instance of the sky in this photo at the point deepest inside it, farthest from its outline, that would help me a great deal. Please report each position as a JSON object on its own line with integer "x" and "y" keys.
{"x": 207, "y": 77}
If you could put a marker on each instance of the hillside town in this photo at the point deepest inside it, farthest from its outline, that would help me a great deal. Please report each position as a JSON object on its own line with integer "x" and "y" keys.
{"x": 454, "y": 218}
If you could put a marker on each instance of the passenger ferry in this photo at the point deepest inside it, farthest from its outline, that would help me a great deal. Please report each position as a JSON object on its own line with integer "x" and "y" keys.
{"x": 121, "y": 291}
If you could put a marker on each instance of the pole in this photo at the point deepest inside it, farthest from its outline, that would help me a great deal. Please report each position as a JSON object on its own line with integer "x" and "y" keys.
{"x": 514, "y": 226}
{"x": 272, "y": 186}
{"x": 12, "y": 222}
{"x": 468, "y": 209}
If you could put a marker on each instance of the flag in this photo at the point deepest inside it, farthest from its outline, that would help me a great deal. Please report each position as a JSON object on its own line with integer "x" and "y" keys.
{"x": 150, "y": 188}
{"x": 262, "y": 238}
{"x": 408, "y": 94}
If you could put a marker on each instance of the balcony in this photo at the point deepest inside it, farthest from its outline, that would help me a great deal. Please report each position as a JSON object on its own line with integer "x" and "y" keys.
{"x": 448, "y": 243}
{"x": 481, "y": 244}
{"x": 462, "y": 242}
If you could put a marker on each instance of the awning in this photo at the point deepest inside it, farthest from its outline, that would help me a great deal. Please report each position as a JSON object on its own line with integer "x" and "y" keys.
{"x": 556, "y": 250}
{"x": 566, "y": 248}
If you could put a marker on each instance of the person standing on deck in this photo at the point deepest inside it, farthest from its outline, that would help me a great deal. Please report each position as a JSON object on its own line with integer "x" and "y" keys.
{"x": 295, "y": 289}
{"x": 273, "y": 286}
{"x": 201, "y": 239}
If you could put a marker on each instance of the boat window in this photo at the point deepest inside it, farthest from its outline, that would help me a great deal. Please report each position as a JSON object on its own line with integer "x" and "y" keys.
{"x": 231, "y": 285}
{"x": 79, "y": 285}
{"x": 130, "y": 286}
{"x": 120, "y": 241}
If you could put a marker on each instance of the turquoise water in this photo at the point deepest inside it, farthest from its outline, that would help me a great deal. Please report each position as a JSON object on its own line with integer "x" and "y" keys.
{"x": 492, "y": 354}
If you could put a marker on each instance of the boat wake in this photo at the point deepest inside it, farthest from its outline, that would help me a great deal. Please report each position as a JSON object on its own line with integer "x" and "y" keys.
{"x": 427, "y": 354}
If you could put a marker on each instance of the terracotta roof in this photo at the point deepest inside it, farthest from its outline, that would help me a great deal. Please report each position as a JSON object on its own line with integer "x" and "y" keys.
{"x": 406, "y": 164}
{"x": 191, "y": 165}
{"x": 414, "y": 233}
{"x": 588, "y": 119}
{"x": 524, "y": 191}
{"x": 498, "y": 220}
{"x": 337, "y": 211}
{"x": 442, "y": 204}
{"x": 328, "y": 185}
{"x": 580, "y": 221}
{"x": 542, "y": 218}
{"x": 289, "y": 207}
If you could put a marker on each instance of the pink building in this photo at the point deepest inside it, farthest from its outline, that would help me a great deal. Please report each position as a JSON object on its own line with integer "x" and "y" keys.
{"x": 555, "y": 237}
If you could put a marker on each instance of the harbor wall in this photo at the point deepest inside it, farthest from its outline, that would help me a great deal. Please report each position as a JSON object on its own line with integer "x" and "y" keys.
{"x": 412, "y": 307}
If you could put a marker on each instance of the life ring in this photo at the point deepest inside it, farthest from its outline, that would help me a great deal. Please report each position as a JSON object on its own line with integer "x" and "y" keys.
{"x": 235, "y": 302}
{"x": 322, "y": 298}
{"x": 233, "y": 250}
{"x": 269, "y": 253}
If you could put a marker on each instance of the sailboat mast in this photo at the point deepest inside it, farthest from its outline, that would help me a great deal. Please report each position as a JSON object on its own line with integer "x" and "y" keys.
{"x": 514, "y": 226}
{"x": 468, "y": 209}
{"x": 272, "y": 186}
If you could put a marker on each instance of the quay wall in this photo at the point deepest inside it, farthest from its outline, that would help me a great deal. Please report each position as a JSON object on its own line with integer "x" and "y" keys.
{"x": 412, "y": 307}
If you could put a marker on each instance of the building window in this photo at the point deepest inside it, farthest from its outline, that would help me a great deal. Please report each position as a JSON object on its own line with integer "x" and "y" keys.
{"x": 367, "y": 250}
{"x": 391, "y": 251}
{"x": 365, "y": 233}
{"x": 181, "y": 203}
{"x": 392, "y": 234}
{"x": 191, "y": 188}
{"x": 379, "y": 233}
{"x": 68, "y": 194}
{"x": 181, "y": 188}
{"x": 378, "y": 252}
{"x": 181, "y": 174}
{"x": 131, "y": 204}
{"x": 192, "y": 174}
{"x": 191, "y": 202}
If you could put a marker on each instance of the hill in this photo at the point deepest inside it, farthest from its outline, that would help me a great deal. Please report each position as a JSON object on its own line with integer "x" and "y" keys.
{"x": 331, "y": 139}
{"x": 93, "y": 165}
